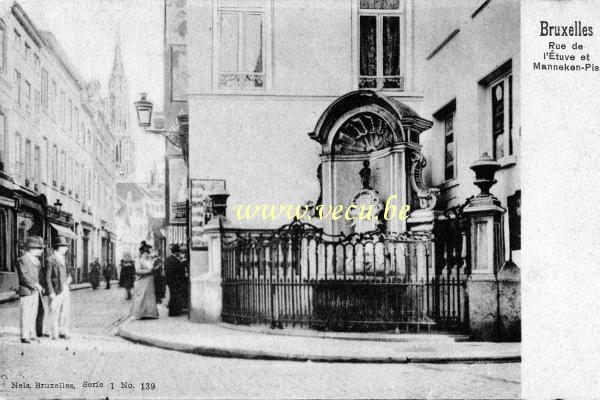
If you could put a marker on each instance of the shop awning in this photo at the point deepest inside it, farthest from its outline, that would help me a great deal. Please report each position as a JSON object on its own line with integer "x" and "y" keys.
{"x": 62, "y": 231}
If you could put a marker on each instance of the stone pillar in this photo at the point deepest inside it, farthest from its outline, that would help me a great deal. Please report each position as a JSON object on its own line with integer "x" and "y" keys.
{"x": 206, "y": 297}
{"x": 485, "y": 219}
{"x": 206, "y": 293}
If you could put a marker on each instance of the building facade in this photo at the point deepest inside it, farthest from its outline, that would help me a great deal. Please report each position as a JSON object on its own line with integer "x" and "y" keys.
{"x": 57, "y": 149}
{"x": 287, "y": 100}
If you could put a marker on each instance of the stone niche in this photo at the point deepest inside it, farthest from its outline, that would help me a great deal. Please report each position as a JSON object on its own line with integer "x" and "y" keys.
{"x": 367, "y": 126}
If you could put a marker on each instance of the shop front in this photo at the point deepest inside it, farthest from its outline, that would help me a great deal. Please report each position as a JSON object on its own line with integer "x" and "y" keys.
{"x": 60, "y": 223}
{"x": 8, "y": 275}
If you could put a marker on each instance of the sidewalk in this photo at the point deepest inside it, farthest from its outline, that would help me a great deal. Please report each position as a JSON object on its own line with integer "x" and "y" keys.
{"x": 224, "y": 340}
{"x": 7, "y": 297}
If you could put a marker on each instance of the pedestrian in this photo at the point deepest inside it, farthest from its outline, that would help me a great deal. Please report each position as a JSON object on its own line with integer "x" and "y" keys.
{"x": 176, "y": 280}
{"x": 144, "y": 297}
{"x": 29, "y": 287}
{"x": 95, "y": 274}
{"x": 108, "y": 272}
{"x": 159, "y": 278}
{"x": 58, "y": 280}
{"x": 42, "y": 323}
{"x": 127, "y": 274}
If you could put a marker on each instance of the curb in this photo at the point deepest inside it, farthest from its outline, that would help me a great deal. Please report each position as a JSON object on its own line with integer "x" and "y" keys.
{"x": 262, "y": 355}
{"x": 364, "y": 337}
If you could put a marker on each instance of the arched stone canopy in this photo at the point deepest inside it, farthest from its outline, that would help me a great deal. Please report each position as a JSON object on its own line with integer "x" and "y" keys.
{"x": 365, "y": 121}
{"x": 367, "y": 131}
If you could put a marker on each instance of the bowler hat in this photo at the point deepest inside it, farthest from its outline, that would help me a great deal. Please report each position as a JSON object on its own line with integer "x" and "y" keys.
{"x": 60, "y": 241}
{"x": 34, "y": 242}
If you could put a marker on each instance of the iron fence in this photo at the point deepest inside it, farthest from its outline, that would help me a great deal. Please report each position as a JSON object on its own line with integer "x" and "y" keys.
{"x": 373, "y": 281}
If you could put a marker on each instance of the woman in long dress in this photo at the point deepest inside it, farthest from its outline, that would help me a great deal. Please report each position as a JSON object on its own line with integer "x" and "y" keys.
{"x": 144, "y": 297}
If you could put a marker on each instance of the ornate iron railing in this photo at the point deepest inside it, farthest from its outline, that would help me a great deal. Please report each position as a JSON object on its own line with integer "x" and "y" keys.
{"x": 298, "y": 275}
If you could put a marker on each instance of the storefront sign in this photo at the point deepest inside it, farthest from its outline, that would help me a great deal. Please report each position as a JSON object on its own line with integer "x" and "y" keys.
{"x": 200, "y": 208}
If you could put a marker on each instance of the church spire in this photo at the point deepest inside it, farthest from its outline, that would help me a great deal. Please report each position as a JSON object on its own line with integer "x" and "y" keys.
{"x": 118, "y": 61}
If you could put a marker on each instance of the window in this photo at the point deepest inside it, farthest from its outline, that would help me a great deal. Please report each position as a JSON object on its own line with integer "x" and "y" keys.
{"x": 449, "y": 147}
{"x": 45, "y": 89}
{"x": 53, "y": 99}
{"x": 28, "y": 166}
{"x": 380, "y": 45}
{"x": 3, "y": 143}
{"x": 241, "y": 61}
{"x": 27, "y": 94}
{"x": 37, "y": 164}
{"x": 27, "y": 51}
{"x": 498, "y": 90}
{"x": 18, "y": 86}
{"x": 54, "y": 164}
{"x": 18, "y": 156}
{"x": 2, "y": 48}
{"x": 70, "y": 116}
{"x": 47, "y": 176}
{"x": 37, "y": 100}
{"x": 36, "y": 62}
{"x": 76, "y": 123}
{"x": 17, "y": 40}
{"x": 5, "y": 243}
{"x": 514, "y": 220}
{"x": 63, "y": 170}
{"x": 63, "y": 113}
{"x": 502, "y": 119}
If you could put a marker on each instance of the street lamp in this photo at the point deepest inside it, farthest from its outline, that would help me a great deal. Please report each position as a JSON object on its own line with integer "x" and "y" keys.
{"x": 144, "y": 113}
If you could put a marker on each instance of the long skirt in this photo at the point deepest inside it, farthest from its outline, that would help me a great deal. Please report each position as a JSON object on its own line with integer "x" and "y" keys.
{"x": 177, "y": 298}
{"x": 144, "y": 299}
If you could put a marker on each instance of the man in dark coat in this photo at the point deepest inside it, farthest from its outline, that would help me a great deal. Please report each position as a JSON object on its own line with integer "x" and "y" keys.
{"x": 108, "y": 273}
{"x": 176, "y": 281}
{"x": 29, "y": 287}
{"x": 58, "y": 280}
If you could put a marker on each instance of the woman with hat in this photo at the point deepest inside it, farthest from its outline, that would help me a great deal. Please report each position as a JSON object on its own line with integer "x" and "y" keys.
{"x": 144, "y": 298}
{"x": 58, "y": 280}
{"x": 29, "y": 287}
{"x": 127, "y": 273}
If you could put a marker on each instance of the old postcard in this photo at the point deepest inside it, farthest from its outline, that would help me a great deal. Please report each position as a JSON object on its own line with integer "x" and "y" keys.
{"x": 297, "y": 199}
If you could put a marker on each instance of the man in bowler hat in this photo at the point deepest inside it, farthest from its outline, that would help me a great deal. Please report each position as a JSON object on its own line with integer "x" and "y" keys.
{"x": 29, "y": 287}
{"x": 58, "y": 280}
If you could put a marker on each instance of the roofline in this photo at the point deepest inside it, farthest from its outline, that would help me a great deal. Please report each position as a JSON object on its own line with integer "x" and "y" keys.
{"x": 27, "y": 24}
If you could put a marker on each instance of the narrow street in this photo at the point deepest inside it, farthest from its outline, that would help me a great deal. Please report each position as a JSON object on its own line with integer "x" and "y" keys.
{"x": 94, "y": 356}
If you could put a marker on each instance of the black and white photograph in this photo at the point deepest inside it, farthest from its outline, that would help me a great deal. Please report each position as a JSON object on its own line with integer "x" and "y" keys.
{"x": 284, "y": 198}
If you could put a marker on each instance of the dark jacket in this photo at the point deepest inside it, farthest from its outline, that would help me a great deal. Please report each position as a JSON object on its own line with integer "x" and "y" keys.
{"x": 174, "y": 271}
{"x": 56, "y": 275}
{"x": 127, "y": 274}
{"x": 28, "y": 275}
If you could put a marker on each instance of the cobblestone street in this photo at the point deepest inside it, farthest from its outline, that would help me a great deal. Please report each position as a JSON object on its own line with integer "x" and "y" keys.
{"x": 125, "y": 370}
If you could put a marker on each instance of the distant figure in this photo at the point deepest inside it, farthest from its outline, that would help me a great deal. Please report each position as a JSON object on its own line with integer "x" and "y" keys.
{"x": 29, "y": 287}
{"x": 108, "y": 273}
{"x": 159, "y": 278}
{"x": 58, "y": 280}
{"x": 144, "y": 297}
{"x": 127, "y": 274}
{"x": 95, "y": 274}
{"x": 176, "y": 280}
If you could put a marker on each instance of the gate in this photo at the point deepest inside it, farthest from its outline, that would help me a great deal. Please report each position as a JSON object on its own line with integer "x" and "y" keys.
{"x": 299, "y": 275}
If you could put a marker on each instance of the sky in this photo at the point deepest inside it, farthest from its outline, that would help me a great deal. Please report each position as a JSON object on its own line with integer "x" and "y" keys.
{"x": 87, "y": 31}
